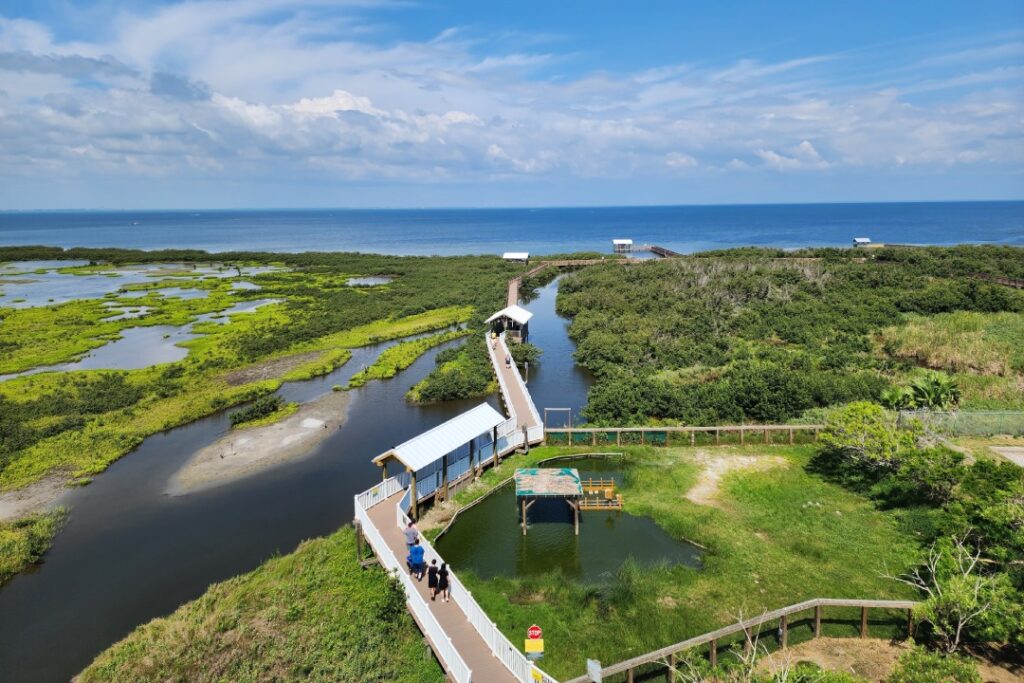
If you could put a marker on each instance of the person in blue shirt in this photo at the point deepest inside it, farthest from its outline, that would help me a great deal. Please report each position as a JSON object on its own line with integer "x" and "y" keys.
{"x": 415, "y": 561}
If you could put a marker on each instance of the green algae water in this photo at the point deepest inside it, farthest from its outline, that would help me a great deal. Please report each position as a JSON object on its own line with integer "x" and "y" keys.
{"x": 488, "y": 540}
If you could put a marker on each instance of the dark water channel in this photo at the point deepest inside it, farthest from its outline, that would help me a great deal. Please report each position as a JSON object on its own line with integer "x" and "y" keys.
{"x": 488, "y": 540}
{"x": 556, "y": 382}
{"x": 131, "y": 553}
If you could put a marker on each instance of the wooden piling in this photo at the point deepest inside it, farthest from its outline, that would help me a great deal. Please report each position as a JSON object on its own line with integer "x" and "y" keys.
{"x": 713, "y": 652}
{"x": 784, "y": 627}
{"x": 817, "y": 621}
{"x": 863, "y": 622}
{"x": 670, "y": 674}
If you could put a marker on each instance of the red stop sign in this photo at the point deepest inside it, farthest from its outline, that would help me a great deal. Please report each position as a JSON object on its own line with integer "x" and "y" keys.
{"x": 534, "y": 632}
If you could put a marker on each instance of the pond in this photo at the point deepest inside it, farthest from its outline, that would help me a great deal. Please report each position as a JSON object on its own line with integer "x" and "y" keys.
{"x": 26, "y": 284}
{"x": 371, "y": 281}
{"x": 487, "y": 539}
{"x": 140, "y": 347}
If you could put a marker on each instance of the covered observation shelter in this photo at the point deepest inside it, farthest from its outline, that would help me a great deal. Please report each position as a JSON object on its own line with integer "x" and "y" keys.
{"x": 534, "y": 483}
{"x": 513, "y": 321}
{"x": 442, "y": 455}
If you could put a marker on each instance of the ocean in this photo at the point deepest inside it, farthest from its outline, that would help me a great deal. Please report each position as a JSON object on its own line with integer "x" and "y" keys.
{"x": 538, "y": 231}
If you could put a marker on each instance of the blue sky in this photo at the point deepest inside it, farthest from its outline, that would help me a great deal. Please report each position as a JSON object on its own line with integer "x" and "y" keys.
{"x": 276, "y": 103}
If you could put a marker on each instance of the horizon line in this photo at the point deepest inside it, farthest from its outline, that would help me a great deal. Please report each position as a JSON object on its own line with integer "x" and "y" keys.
{"x": 508, "y": 208}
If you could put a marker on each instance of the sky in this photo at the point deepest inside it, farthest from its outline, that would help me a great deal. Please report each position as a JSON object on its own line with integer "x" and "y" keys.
{"x": 400, "y": 104}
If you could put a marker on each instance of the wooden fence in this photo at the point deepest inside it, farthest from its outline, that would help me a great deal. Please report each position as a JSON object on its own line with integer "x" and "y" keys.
{"x": 666, "y": 656}
{"x": 665, "y": 436}
{"x": 999, "y": 280}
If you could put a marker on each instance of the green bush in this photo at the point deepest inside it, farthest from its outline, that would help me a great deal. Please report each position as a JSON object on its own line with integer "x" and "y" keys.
{"x": 261, "y": 407}
{"x": 921, "y": 666}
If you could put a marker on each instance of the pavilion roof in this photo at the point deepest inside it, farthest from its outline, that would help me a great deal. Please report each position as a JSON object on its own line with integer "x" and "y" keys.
{"x": 548, "y": 481}
{"x": 420, "y": 451}
{"x": 516, "y": 313}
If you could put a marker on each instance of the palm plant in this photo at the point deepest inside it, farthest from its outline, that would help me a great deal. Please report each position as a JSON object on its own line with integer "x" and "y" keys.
{"x": 935, "y": 390}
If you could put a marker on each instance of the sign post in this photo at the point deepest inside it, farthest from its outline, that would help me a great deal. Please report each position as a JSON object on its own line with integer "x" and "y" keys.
{"x": 534, "y": 642}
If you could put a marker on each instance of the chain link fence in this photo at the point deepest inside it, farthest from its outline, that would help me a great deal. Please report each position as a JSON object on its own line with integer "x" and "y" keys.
{"x": 968, "y": 422}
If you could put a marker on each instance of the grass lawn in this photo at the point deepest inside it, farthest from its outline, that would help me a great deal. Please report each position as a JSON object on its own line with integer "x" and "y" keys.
{"x": 313, "y": 615}
{"x": 774, "y": 536}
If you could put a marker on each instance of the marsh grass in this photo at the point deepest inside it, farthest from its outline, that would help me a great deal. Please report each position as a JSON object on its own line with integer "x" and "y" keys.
{"x": 399, "y": 357}
{"x": 24, "y": 541}
{"x": 312, "y": 615}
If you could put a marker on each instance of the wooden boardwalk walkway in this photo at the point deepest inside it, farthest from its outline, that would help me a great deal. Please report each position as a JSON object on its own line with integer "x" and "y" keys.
{"x": 457, "y": 627}
{"x": 514, "y": 392}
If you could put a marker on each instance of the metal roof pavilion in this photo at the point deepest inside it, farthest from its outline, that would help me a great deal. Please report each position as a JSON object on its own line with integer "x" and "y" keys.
{"x": 516, "y": 313}
{"x": 548, "y": 481}
{"x": 622, "y": 243}
{"x": 516, "y": 256}
{"x": 430, "y": 446}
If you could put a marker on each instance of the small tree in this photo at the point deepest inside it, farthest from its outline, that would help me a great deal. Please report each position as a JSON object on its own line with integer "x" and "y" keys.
{"x": 959, "y": 597}
{"x": 935, "y": 390}
{"x": 865, "y": 434}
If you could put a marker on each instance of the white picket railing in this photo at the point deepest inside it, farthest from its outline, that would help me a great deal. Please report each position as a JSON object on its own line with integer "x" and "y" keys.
{"x": 496, "y": 362}
{"x": 450, "y": 657}
{"x": 500, "y": 646}
{"x": 378, "y": 494}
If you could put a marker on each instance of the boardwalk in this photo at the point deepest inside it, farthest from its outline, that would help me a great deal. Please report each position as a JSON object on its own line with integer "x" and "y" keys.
{"x": 466, "y": 640}
{"x": 514, "y": 393}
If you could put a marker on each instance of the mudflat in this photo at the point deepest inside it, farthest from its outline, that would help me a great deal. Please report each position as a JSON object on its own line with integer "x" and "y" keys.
{"x": 243, "y": 452}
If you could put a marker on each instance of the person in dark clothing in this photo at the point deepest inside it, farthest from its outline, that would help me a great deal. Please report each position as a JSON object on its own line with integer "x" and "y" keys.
{"x": 442, "y": 583}
{"x": 432, "y": 579}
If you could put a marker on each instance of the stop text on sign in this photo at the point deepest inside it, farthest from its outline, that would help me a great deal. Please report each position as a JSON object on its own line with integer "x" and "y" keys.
{"x": 534, "y": 632}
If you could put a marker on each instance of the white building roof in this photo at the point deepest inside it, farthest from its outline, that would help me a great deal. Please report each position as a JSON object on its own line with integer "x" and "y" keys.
{"x": 420, "y": 451}
{"x": 862, "y": 240}
{"x": 516, "y": 313}
{"x": 516, "y": 256}
{"x": 622, "y": 242}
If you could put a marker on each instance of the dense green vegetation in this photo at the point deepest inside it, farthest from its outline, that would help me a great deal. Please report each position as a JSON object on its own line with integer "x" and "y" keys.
{"x": 971, "y": 514}
{"x": 776, "y": 535}
{"x": 399, "y": 357}
{"x": 461, "y": 372}
{"x": 23, "y": 541}
{"x": 258, "y": 409}
{"x": 313, "y": 615}
{"x": 764, "y": 335}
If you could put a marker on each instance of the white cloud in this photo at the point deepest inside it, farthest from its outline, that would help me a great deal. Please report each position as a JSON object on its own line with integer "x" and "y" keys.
{"x": 232, "y": 89}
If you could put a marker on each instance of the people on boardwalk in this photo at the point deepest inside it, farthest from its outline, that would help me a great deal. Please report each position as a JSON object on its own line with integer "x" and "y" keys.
{"x": 411, "y": 535}
{"x": 442, "y": 582}
{"x": 415, "y": 561}
{"x": 508, "y": 360}
{"x": 432, "y": 579}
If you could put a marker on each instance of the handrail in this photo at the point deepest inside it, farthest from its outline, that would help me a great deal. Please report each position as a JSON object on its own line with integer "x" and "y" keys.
{"x": 709, "y": 428}
{"x": 506, "y": 394}
{"x": 744, "y": 626}
{"x": 446, "y": 651}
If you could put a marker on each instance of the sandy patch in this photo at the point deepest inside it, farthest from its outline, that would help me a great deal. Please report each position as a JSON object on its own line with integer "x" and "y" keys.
{"x": 705, "y": 492}
{"x": 1014, "y": 454}
{"x": 271, "y": 369}
{"x": 42, "y": 495}
{"x": 872, "y": 658}
{"x": 243, "y": 452}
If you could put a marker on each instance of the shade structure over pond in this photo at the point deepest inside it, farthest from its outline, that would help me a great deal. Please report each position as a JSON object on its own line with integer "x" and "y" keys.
{"x": 562, "y": 482}
{"x": 517, "y": 314}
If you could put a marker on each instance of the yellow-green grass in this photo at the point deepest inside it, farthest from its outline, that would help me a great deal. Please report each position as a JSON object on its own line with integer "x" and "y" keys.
{"x": 397, "y": 358}
{"x": 281, "y": 413}
{"x": 104, "y": 438}
{"x": 313, "y": 615}
{"x": 23, "y": 541}
{"x": 962, "y": 341}
{"x": 777, "y": 536}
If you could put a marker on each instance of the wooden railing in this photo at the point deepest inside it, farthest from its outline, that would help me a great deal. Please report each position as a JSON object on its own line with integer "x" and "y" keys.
{"x": 647, "y": 433}
{"x": 666, "y": 656}
{"x": 999, "y": 280}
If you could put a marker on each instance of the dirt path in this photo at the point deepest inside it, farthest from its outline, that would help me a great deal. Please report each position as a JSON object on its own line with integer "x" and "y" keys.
{"x": 715, "y": 467}
{"x": 41, "y": 495}
{"x": 271, "y": 369}
{"x": 872, "y": 659}
{"x": 243, "y": 452}
{"x": 1014, "y": 454}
